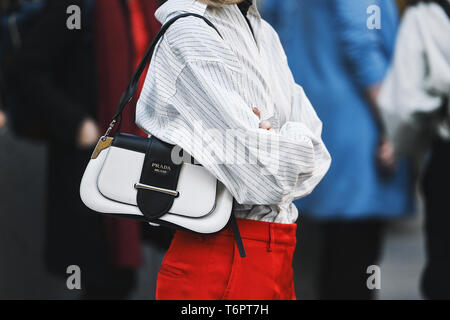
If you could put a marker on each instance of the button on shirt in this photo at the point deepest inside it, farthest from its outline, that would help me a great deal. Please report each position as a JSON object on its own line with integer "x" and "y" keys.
{"x": 200, "y": 93}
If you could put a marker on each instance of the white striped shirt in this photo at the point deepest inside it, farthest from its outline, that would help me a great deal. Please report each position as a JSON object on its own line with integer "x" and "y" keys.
{"x": 201, "y": 90}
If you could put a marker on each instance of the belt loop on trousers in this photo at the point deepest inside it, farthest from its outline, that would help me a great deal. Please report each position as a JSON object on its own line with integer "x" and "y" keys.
{"x": 269, "y": 249}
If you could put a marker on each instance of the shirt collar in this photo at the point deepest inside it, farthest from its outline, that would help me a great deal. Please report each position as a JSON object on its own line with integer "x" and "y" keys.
{"x": 253, "y": 10}
{"x": 175, "y": 6}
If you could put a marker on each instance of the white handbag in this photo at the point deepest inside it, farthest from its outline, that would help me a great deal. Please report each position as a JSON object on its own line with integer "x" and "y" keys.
{"x": 134, "y": 177}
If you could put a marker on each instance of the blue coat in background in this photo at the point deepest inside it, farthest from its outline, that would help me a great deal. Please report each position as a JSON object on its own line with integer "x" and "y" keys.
{"x": 335, "y": 57}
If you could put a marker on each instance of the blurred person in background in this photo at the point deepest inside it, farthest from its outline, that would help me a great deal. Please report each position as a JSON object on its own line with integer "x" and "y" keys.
{"x": 415, "y": 101}
{"x": 123, "y": 31}
{"x": 66, "y": 83}
{"x": 341, "y": 62}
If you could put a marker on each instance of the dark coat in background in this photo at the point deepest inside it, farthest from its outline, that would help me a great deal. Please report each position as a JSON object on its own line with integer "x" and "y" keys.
{"x": 123, "y": 31}
{"x": 59, "y": 78}
{"x": 53, "y": 77}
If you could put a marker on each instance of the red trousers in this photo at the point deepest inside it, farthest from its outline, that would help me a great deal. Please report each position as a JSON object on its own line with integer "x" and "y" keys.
{"x": 209, "y": 267}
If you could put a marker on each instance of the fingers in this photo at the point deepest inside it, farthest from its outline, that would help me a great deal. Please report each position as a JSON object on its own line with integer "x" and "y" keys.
{"x": 265, "y": 125}
{"x": 386, "y": 154}
{"x": 257, "y": 112}
{"x": 2, "y": 119}
{"x": 88, "y": 134}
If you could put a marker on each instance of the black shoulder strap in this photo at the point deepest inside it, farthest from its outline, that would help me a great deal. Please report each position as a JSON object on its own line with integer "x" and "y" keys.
{"x": 133, "y": 85}
{"x": 126, "y": 98}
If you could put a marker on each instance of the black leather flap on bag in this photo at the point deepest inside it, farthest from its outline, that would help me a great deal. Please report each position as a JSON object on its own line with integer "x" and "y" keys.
{"x": 157, "y": 188}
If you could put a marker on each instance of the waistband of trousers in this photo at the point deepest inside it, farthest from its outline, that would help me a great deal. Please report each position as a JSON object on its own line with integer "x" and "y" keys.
{"x": 274, "y": 233}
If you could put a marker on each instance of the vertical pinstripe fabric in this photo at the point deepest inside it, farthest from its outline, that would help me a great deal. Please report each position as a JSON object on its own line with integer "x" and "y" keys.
{"x": 200, "y": 92}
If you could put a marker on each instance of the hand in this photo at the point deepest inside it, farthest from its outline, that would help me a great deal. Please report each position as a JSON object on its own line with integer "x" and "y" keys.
{"x": 263, "y": 124}
{"x": 373, "y": 92}
{"x": 2, "y": 119}
{"x": 386, "y": 157}
{"x": 88, "y": 135}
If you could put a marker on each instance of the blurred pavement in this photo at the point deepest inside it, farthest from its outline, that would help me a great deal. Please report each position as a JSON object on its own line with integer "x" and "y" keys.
{"x": 403, "y": 260}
